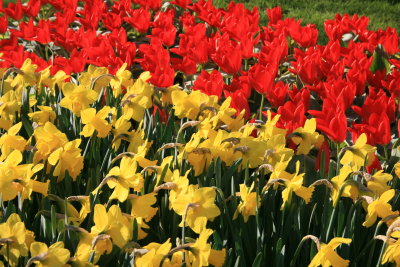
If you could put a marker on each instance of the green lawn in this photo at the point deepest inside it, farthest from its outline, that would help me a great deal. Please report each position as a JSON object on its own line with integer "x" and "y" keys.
{"x": 381, "y": 13}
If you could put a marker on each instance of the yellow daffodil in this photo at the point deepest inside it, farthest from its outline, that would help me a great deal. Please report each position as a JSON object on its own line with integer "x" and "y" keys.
{"x": 112, "y": 223}
{"x": 122, "y": 78}
{"x": 48, "y": 139}
{"x": 54, "y": 256}
{"x": 166, "y": 97}
{"x": 189, "y": 105}
{"x": 26, "y": 76}
{"x": 142, "y": 206}
{"x": 305, "y": 137}
{"x": 44, "y": 115}
{"x": 217, "y": 257}
{"x": 51, "y": 81}
{"x": 222, "y": 146}
{"x": 91, "y": 243}
{"x": 11, "y": 141}
{"x": 167, "y": 161}
{"x": 251, "y": 150}
{"x": 10, "y": 104}
{"x": 392, "y": 251}
{"x": 120, "y": 131}
{"x": 15, "y": 177}
{"x": 200, "y": 250}
{"x": 248, "y": 203}
{"x": 138, "y": 98}
{"x": 397, "y": 169}
{"x": 343, "y": 186}
{"x": 378, "y": 182}
{"x": 95, "y": 122}
{"x": 85, "y": 209}
{"x": 269, "y": 130}
{"x": 155, "y": 254}
{"x": 95, "y": 78}
{"x": 5, "y": 123}
{"x": 67, "y": 209}
{"x": 276, "y": 150}
{"x": 77, "y": 97}
{"x": 327, "y": 256}
{"x": 197, "y": 205}
{"x": 359, "y": 154}
{"x": 380, "y": 208}
{"x": 124, "y": 177}
{"x": 178, "y": 185}
{"x": 225, "y": 116}
{"x": 294, "y": 184}
{"x": 198, "y": 154}
{"x": 13, "y": 239}
{"x": 39, "y": 187}
{"x": 137, "y": 142}
{"x": 67, "y": 158}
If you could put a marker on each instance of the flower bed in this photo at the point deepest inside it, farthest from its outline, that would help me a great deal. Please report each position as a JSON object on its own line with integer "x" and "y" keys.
{"x": 161, "y": 134}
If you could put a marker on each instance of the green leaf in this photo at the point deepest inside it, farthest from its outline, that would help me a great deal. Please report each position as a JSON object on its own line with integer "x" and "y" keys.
{"x": 379, "y": 62}
{"x": 258, "y": 260}
{"x": 27, "y": 125}
{"x": 53, "y": 222}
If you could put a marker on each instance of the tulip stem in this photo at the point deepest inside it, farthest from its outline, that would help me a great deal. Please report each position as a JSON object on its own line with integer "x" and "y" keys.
{"x": 386, "y": 152}
{"x": 261, "y": 106}
{"x": 338, "y": 159}
{"x": 246, "y": 64}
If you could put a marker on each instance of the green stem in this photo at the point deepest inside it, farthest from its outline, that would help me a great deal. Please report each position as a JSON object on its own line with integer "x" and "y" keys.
{"x": 259, "y": 246}
{"x": 188, "y": 206}
{"x": 338, "y": 159}
{"x": 328, "y": 231}
{"x": 246, "y": 64}
{"x": 261, "y": 106}
{"x": 371, "y": 253}
{"x": 386, "y": 152}
{"x": 297, "y": 252}
{"x": 378, "y": 263}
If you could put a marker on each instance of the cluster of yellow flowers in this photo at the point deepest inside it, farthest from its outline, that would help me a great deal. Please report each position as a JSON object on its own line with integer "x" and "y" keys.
{"x": 47, "y": 154}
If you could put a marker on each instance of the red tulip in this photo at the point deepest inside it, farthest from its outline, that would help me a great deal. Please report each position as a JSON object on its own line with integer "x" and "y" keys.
{"x": 305, "y": 36}
{"x": 139, "y": 19}
{"x": 274, "y": 15}
{"x": 3, "y": 24}
{"x": 324, "y": 149}
{"x": 163, "y": 27}
{"x": 331, "y": 121}
{"x": 227, "y": 53}
{"x": 262, "y": 78}
{"x": 209, "y": 83}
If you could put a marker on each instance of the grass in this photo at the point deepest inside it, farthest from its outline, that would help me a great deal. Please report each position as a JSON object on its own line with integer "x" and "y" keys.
{"x": 381, "y": 13}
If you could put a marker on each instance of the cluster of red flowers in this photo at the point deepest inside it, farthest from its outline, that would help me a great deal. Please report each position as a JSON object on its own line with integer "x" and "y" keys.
{"x": 350, "y": 85}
